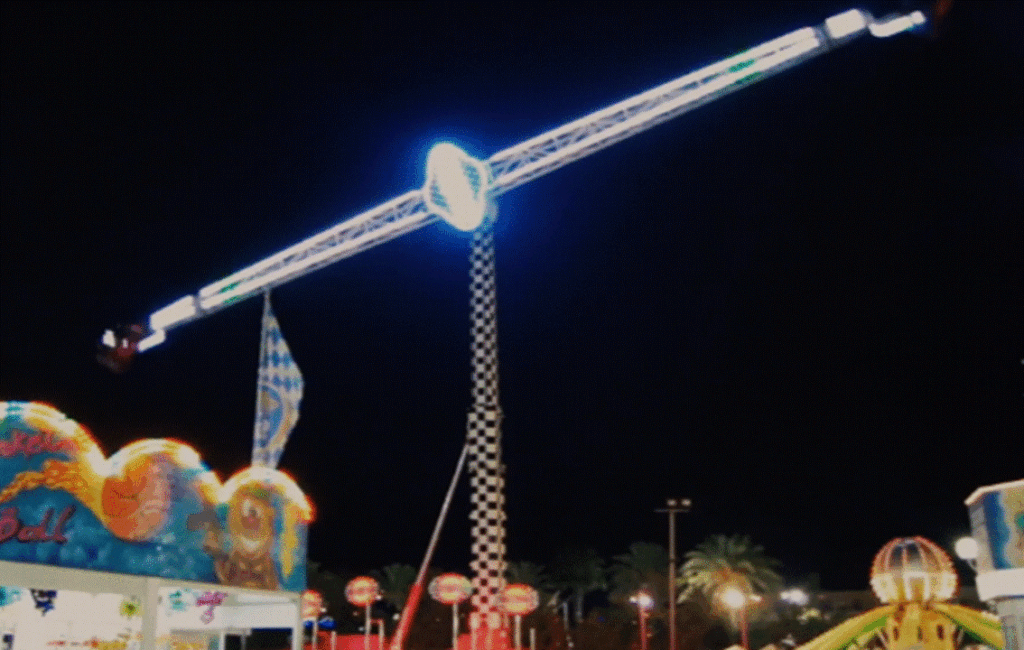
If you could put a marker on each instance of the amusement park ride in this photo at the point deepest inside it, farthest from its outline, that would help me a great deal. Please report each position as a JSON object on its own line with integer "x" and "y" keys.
{"x": 914, "y": 579}
{"x": 461, "y": 190}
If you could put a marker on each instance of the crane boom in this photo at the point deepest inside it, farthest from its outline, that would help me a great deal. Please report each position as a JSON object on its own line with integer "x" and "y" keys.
{"x": 459, "y": 196}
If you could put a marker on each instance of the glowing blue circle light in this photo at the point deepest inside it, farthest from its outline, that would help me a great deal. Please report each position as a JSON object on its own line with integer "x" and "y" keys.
{"x": 456, "y": 187}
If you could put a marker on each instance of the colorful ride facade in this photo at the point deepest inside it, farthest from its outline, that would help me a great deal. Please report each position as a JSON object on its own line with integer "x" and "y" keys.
{"x": 152, "y": 509}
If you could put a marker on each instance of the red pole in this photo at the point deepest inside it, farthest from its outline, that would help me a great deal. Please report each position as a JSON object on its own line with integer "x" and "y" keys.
{"x": 408, "y": 613}
{"x": 416, "y": 592}
{"x": 743, "y": 627}
{"x": 643, "y": 629}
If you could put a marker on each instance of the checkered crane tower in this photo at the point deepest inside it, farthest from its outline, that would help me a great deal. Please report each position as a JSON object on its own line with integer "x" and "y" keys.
{"x": 461, "y": 190}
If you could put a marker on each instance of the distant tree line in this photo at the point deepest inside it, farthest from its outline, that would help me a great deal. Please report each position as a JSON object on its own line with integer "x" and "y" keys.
{"x": 585, "y": 599}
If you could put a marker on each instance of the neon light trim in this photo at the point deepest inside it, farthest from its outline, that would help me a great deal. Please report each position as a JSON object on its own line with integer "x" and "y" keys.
{"x": 659, "y": 91}
{"x": 250, "y": 279}
{"x": 153, "y": 340}
{"x": 697, "y": 86}
{"x": 896, "y": 25}
{"x": 846, "y": 23}
{"x": 276, "y": 479}
{"x": 46, "y": 418}
{"x": 177, "y": 311}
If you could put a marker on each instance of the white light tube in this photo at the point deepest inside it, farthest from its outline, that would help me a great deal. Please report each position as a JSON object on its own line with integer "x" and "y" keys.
{"x": 770, "y": 47}
{"x": 896, "y": 25}
{"x": 177, "y": 311}
{"x": 846, "y": 23}
{"x": 700, "y": 92}
{"x": 250, "y": 271}
{"x": 256, "y": 283}
{"x": 154, "y": 339}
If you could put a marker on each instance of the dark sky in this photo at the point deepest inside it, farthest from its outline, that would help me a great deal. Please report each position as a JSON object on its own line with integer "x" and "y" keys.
{"x": 801, "y": 306}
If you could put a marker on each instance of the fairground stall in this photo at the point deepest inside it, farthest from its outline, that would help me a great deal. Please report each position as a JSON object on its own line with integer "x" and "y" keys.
{"x": 997, "y": 528}
{"x": 143, "y": 549}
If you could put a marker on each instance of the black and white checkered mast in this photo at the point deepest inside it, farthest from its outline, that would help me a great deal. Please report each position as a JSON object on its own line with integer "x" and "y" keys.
{"x": 483, "y": 436}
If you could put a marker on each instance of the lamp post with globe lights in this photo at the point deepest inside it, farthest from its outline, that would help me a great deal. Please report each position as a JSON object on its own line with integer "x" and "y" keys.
{"x": 738, "y": 600}
{"x": 672, "y": 506}
{"x": 966, "y": 548}
{"x": 644, "y": 603}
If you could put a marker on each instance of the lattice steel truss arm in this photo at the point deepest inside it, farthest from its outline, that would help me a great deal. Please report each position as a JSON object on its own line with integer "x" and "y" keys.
{"x": 392, "y": 219}
{"x": 544, "y": 153}
{"x": 457, "y": 186}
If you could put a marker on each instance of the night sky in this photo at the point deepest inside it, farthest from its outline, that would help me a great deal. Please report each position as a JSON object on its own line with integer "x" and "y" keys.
{"x": 801, "y": 306}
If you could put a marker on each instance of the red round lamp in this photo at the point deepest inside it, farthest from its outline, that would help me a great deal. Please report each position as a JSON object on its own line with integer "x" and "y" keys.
{"x": 519, "y": 600}
{"x": 362, "y": 591}
{"x": 450, "y": 588}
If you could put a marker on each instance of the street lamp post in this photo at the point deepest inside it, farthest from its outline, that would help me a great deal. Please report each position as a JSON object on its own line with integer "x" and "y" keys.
{"x": 644, "y": 603}
{"x": 738, "y": 601}
{"x": 672, "y": 507}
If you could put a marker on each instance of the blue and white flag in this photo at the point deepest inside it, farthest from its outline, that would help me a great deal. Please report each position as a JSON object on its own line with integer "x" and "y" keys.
{"x": 278, "y": 393}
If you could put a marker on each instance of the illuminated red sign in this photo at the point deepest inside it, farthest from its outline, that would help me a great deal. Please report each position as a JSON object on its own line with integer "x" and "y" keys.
{"x": 519, "y": 600}
{"x": 362, "y": 591}
{"x": 450, "y": 588}
{"x": 312, "y": 604}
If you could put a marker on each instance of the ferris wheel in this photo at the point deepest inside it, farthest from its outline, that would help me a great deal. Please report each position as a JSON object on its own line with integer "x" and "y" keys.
{"x": 462, "y": 191}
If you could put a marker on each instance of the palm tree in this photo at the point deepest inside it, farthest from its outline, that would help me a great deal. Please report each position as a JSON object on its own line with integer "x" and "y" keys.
{"x": 395, "y": 581}
{"x": 645, "y": 566}
{"x": 330, "y": 586}
{"x": 527, "y": 573}
{"x": 721, "y": 562}
{"x": 578, "y": 572}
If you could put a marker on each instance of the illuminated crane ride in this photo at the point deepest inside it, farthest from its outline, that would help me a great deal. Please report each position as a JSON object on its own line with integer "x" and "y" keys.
{"x": 460, "y": 189}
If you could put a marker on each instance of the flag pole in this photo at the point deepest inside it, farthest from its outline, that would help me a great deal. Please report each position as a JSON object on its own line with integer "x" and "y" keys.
{"x": 256, "y": 443}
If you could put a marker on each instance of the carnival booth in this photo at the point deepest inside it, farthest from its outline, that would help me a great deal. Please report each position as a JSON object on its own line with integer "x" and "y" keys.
{"x": 145, "y": 549}
{"x": 997, "y": 526}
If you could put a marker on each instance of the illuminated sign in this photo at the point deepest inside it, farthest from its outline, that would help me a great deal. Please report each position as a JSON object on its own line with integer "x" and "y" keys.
{"x": 519, "y": 600}
{"x": 312, "y": 605}
{"x": 152, "y": 508}
{"x": 450, "y": 588}
{"x": 362, "y": 591}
